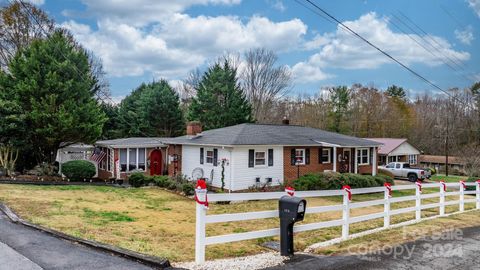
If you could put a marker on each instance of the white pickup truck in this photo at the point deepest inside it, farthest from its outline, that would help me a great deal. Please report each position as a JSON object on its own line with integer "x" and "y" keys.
{"x": 403, "y": 170}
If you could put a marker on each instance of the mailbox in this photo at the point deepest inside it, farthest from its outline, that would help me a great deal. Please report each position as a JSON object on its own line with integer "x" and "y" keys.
{"x": 291, "y": 209}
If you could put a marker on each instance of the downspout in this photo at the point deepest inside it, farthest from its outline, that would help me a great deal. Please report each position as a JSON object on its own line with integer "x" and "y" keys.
{"x": 230, "y": 165}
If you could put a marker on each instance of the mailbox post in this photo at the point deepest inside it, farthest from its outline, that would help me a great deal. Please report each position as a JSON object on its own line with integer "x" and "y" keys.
{"x": 291, "y": 209}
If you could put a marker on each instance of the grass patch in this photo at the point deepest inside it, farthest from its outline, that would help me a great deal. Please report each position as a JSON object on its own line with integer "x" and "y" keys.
{"x": 449, "y": 179}
{"x": 104, "y": 217}
{"x": 160, "y": 223}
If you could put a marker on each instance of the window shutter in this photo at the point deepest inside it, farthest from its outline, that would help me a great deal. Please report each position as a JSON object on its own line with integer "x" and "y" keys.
{"x": 270, "y": 157}
{"x": 251, "y": 158}
{"x": 201, "y": 155}
{"x": 320, "y": 155}
{"x": 331, "y": 155}
{"x": 307, "y": 156}
{"x": 215, "y": 156}
{"x": 292, "y": 157}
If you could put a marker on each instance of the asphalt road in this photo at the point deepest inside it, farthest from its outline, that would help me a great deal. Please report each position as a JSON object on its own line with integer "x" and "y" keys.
{"x": 26, "y": 248}
{"x": 456, "y": 250}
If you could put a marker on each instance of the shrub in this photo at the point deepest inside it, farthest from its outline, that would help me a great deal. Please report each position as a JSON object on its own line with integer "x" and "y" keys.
{"x": 432, "y": 171}
{"x": 336, "y": 181}
{"x": 188, "y": 188}
{"x": 172, "y": 185}
{"x": 78, "y": 170}
{"x": 471, "y": 179}
{"x": 161, "y": 180}
{"x": 385, "y": 172}
{"x": 136, "y": 179}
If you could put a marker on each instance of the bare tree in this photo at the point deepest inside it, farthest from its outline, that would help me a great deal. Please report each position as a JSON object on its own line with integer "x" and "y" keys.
{"x": 264, "y": 82}
{"x": 20, "y": 24}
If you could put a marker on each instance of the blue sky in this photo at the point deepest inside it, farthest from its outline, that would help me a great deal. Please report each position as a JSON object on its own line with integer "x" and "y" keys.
{"x": 142, "y": 40}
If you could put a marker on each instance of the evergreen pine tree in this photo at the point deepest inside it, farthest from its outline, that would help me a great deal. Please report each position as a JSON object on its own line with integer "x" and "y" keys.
{"x": 220, "y": 101}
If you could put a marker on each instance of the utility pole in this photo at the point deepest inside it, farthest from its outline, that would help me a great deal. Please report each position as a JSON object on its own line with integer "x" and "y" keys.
{"x": 446, "y": 148}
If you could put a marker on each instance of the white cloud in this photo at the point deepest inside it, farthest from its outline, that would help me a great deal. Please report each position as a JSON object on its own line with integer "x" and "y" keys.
{"x": 475, "y": 5}
{"x": 465, "y": 36}
{"x": 36, "y": 2}
{"x": 340, "y": 49}
{"x": 143, "y": 12}
{"x": 278, "y": 5}
{"x": 303, "y": 73}
{"x": 180, "y": 43}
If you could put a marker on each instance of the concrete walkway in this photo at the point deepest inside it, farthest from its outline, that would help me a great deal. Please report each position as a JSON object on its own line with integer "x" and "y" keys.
{"x": 447, "y": 253}
{"x": 27, "y": 248}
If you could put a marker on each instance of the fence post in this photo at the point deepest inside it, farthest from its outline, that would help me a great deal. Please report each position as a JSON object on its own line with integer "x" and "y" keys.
{"x": 443, "y": 187}
{"x": 478, "y": 194}
{"x": 386, "y": 208}
{"x": 418, "y": 200}
{"x": 461, "y": 207}
{"x": 346, "y": 212}
{"x": 201, "y": 213}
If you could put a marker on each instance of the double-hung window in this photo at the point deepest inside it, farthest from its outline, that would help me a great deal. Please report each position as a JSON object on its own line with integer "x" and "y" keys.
{"x": 132, "y": 159}
{"x": 209, "y": 157}
{"x": 412, "y": 159}
{"x": 363, "y": 156}
{"x": 260, "y": 158}
{"x": 326, "y": 155}
{"x": 299, "y": 156}
{"x": 123, "y": 160}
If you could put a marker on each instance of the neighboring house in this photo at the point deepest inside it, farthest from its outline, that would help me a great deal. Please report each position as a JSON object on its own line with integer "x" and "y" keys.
{"x": 455, "y": 164}
{"x": 259, "y": 154}
{"x": 396, "y": 150}
{"x": 124, "y": 156}
{"x": 76, "y": 151}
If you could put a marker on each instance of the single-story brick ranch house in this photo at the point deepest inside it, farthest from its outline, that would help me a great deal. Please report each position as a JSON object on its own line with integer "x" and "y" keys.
{"x": 251, "y": 154}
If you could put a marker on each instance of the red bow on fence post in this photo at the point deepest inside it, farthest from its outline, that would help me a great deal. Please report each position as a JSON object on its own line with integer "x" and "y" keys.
{"x": 348, "y": 190}
{"x": 443, "y": 185}
{"x": 462, "y": 182}
{"x": 201, "y": 193}
{"x": 419, "y": 185}
{"x": 388, "y": 186}
{"x": 290, "y": 190}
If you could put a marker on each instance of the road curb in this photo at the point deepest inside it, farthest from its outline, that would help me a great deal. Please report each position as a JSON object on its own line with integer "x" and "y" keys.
{"x": 156, "y": 262}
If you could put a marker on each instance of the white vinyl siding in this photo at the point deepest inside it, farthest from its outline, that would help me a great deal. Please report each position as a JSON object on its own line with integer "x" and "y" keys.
{"x": 238, "y": 176}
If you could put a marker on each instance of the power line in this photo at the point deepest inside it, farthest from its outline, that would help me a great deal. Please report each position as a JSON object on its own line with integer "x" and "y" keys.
{"x": 384, "y": 53}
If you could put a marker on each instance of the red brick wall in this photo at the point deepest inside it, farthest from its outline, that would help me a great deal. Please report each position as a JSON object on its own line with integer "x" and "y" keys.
{"x": 290, "y": 171}
{"x": 364, "y": 169}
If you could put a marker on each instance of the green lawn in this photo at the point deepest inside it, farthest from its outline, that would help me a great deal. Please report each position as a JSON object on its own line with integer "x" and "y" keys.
{"x": 161, "y": 223}
{"x": 450, "y": 178}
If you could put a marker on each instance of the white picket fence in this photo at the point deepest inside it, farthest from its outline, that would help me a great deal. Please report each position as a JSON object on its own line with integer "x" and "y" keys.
{"x": 201, "y": 240}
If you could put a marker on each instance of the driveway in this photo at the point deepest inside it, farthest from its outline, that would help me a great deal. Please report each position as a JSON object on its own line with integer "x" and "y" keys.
{"x": 26, "y": 248}
{"x": 459, "y": 249}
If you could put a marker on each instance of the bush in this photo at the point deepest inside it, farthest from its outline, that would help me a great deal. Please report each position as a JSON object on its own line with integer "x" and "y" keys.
{"x": 172, "y": 185}
{"x": 78, "y": 170}
{"x": 188, "y": 189}
{"x": 161, "y": 180}
{"x": 322, "y": 181}
{"x": 472, "y": 179}
{"x": 432, "y": 171}
{"x": 136, "y": 179}
{"x": 385, "y": 172}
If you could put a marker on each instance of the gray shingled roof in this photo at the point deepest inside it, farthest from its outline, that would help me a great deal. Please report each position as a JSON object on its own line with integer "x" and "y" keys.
{"x": 264, "y": 134}
{"x": 133, "y": 142}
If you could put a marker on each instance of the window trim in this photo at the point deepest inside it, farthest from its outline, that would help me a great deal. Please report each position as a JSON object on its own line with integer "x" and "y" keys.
{"x": 412, "y": 158}
{"x": 303, "y": 156}
{"x": 265, "y": 158}
{"x": 206, "y": 156}
{"x": 360, "y": 156}
{"x": 329, "y": 155}
{"x": 128, "y": 159}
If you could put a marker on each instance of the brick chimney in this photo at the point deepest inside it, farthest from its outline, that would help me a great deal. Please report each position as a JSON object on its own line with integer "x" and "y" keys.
{"x": 194, "y": 128}
{"x": 285, "y": 121}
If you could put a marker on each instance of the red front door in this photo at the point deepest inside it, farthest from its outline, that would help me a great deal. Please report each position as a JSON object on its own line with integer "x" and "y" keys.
{"x": 156, "y": 162}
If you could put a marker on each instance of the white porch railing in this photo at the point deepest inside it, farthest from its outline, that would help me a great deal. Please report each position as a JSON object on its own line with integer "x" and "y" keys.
{"x": 201, "y": 240}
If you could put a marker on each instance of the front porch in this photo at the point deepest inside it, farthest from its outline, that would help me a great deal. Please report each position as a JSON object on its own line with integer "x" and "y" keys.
{"x": 301, "y": 160}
